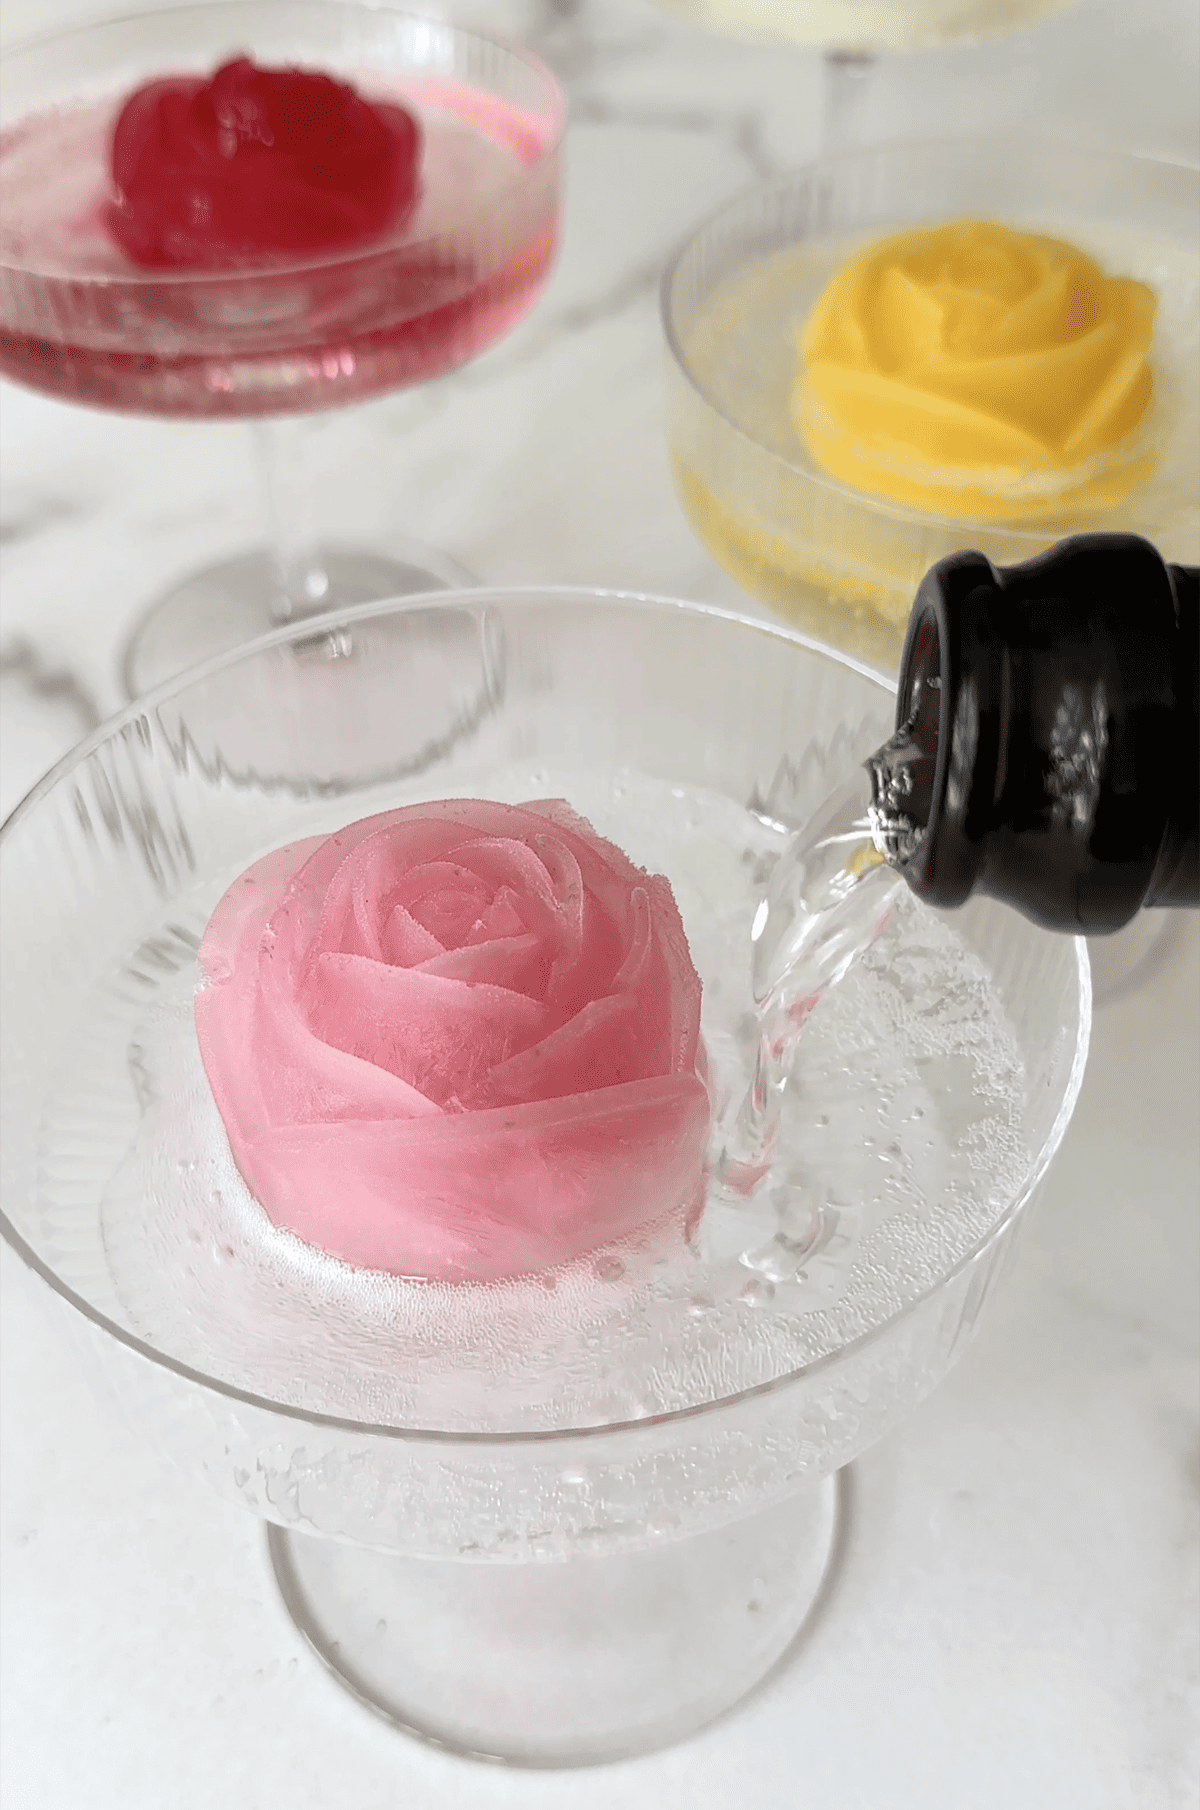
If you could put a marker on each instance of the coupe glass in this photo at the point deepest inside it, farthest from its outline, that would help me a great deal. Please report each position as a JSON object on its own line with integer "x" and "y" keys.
{"x": 82, "y": 323}
{"x": 840, "y": 563}
{"x": 576, "y": 1516}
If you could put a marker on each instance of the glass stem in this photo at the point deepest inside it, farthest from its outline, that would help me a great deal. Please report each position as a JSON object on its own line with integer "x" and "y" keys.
{"x": 847, "y": 75}
{"x": 301, "y": 581}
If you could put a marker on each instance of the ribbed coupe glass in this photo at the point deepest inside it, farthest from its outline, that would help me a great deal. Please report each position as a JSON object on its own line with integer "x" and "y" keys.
{"x": 575, "y": 1516}
{"x": 273, "y": 340}
{"x": 842, "y": 564}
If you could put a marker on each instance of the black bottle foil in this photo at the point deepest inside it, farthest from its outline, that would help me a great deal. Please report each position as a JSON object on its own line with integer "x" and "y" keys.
{"x": 1048, "y": 735}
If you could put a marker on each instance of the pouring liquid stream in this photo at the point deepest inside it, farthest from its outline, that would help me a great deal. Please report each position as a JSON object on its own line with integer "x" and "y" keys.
{"x": 828, "y": 897}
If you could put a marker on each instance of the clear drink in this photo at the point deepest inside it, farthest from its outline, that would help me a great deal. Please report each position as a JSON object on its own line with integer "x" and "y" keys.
{"x": 895, "y": 1105}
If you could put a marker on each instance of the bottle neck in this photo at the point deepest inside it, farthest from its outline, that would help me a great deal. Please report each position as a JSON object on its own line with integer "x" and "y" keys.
{"x": 1056, "y": 702}
{"x": 1176, "y": 878}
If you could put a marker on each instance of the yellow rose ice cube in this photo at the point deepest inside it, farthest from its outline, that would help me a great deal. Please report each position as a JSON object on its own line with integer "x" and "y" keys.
{"x": 980, "y": 372}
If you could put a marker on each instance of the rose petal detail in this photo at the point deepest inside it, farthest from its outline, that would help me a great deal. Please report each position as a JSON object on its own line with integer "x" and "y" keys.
{"x": 484, "y": 1195}
{"x": 514, "y": 962}
{"x": 404, "y": 943}
{"x": 262, "y": 1061}
{"x": 600, "y": 1047}
{"x": 555, "y": 1043}
{"x": 981, "y": 372}
{"x": 438, "y": 1034}
{"x": 255, "y": 163}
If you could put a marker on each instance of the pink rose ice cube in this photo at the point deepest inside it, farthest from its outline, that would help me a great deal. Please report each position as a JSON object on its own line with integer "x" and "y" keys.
{"x": 458, "y": 1041}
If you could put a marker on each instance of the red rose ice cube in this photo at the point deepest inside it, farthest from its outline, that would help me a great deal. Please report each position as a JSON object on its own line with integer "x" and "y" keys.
{"x": 256, "y": 164}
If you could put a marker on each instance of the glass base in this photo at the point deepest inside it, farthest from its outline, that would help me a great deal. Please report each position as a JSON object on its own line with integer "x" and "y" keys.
{"x": 569, "y": 1664}
{"x": 1125, "y": 960}
{"x": 224, "y": 606}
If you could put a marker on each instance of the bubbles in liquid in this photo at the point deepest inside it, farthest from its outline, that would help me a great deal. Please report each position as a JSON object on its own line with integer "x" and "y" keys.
{"x": 858, "y": 1204}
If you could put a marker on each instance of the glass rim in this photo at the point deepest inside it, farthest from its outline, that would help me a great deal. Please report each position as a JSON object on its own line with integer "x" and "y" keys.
{"x": 386, "y": 246}
{"x": 577, "y": 597}
{"x": 1009, "y": 145}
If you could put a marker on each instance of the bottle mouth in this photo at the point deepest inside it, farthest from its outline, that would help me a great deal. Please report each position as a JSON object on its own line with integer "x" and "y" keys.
{"x": 1035, "y": 753}
{"x": 923, "y": 780}
{"x": 904, "y": 772}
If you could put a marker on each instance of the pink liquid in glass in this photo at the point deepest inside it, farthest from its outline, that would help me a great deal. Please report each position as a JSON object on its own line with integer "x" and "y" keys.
{"x": 80, "y": 321}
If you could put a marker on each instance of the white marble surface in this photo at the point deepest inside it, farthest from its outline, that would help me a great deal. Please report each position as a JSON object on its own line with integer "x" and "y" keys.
{"x": 1016, "y": 1624}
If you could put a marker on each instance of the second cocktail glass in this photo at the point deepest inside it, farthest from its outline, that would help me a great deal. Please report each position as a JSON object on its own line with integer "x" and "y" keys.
{"x": 81, "y": 322}
{"x": 843, "y": 564}
{"x": 571, "y": 1515}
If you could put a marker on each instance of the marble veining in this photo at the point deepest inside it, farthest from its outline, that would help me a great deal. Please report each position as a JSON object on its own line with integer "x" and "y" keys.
{"x": 1016, "y": 1619}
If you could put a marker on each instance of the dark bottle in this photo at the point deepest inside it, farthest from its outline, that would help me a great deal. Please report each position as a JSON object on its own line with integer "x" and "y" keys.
{"x": 1047, "y": 746}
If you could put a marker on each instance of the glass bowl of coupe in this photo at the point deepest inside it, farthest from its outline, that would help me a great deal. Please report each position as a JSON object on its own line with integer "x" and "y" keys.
{"x": 263, "y": 211}
{"x": 546, "y": 1427}
{"x": 908, "y": 350}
